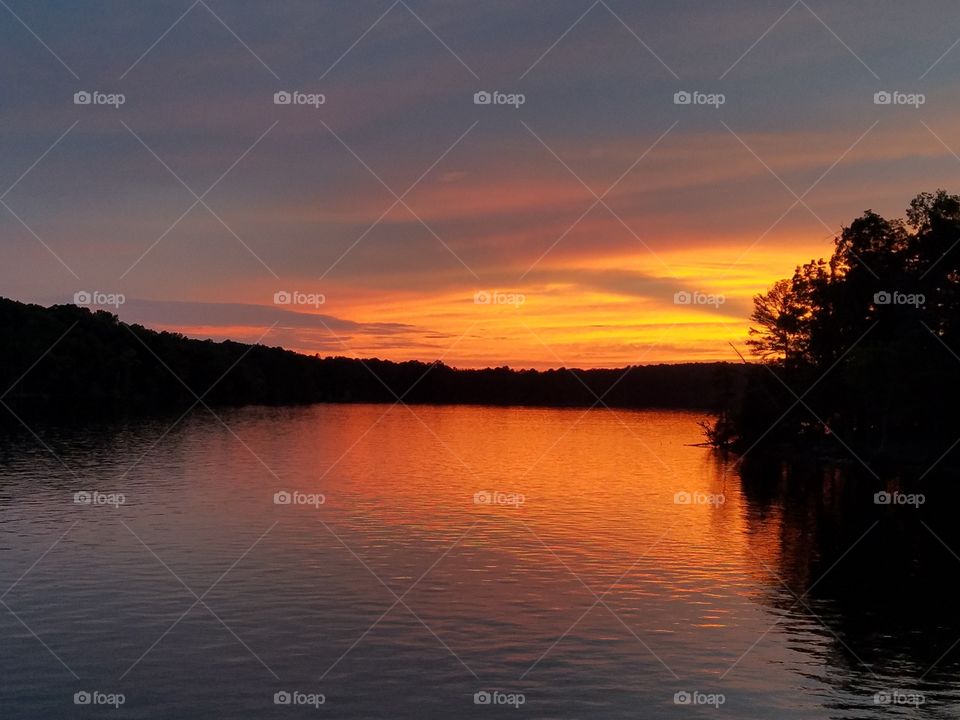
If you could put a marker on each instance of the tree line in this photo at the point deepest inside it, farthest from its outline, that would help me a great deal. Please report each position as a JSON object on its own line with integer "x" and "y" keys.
{"x": 102, "y": 365}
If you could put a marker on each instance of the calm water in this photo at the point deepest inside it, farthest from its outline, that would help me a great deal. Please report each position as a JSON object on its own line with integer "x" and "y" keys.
{"x": 541, "y": 554}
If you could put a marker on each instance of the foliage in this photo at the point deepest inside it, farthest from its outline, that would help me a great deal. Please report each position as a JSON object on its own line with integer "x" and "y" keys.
{"x": 102, "y": 365}
{"x": 859, "y": 351}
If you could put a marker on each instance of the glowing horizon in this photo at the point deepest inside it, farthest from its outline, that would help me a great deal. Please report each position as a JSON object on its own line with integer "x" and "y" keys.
{"x": 400, "y": 199}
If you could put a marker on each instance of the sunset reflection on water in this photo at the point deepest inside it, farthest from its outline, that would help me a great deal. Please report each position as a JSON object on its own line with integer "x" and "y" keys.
{"x": 590, "y": 560}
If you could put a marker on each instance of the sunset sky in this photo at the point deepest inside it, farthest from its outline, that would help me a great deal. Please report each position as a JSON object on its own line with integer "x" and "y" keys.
{"x": 400, "y": 201}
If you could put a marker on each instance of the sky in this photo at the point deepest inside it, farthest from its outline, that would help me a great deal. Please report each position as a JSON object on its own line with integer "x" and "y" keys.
{"x": 585, "y": 218}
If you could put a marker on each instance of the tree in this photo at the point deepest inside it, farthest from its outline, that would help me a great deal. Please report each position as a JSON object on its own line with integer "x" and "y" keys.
{"x": 775, "y": 313}
{"x": 869, "y": 337}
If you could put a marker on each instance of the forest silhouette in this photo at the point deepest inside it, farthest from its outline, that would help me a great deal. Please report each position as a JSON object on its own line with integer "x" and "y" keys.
{"x": 66, "y": 360}
{"x": 858, "y": 354}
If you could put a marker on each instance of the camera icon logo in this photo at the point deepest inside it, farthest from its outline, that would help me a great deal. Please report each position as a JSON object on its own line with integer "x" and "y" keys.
{"x": 882, "y": 498}
{"x": 82, "y": 98}
{"x": 682, "y": 98}
{"x": 682, "y": 698}
{"x": 882, "y": 98}
{"x": 482, "y": 98}
{"x": 481, "y": 297}
{"x": 882, "y": 298}
{"x": 482, "y": 698}
{"x": 82, "y": 298}
{"x": 82, "y": 498}
{"x": 82, "y": 698}
{"x": 282, "y": 98}
{"x": 882, "y": 698}
{"x": 282, "y": 498}
{"x": 682, "y": 498}
{"x": 282, "y": 297}
{"x": 482, "y": 498}
{"x": 682, "y": 297}
{"x": 282, "y": 698}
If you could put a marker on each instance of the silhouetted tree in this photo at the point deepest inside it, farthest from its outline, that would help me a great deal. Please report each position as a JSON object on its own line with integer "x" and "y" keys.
{"x": 866, "y": 340}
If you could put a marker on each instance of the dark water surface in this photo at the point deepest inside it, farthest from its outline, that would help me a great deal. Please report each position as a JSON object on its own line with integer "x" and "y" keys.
{"x": 542, "y": 554}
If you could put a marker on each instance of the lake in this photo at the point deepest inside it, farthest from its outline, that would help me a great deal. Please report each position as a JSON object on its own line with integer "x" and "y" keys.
{"x": 367, "y": 561}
